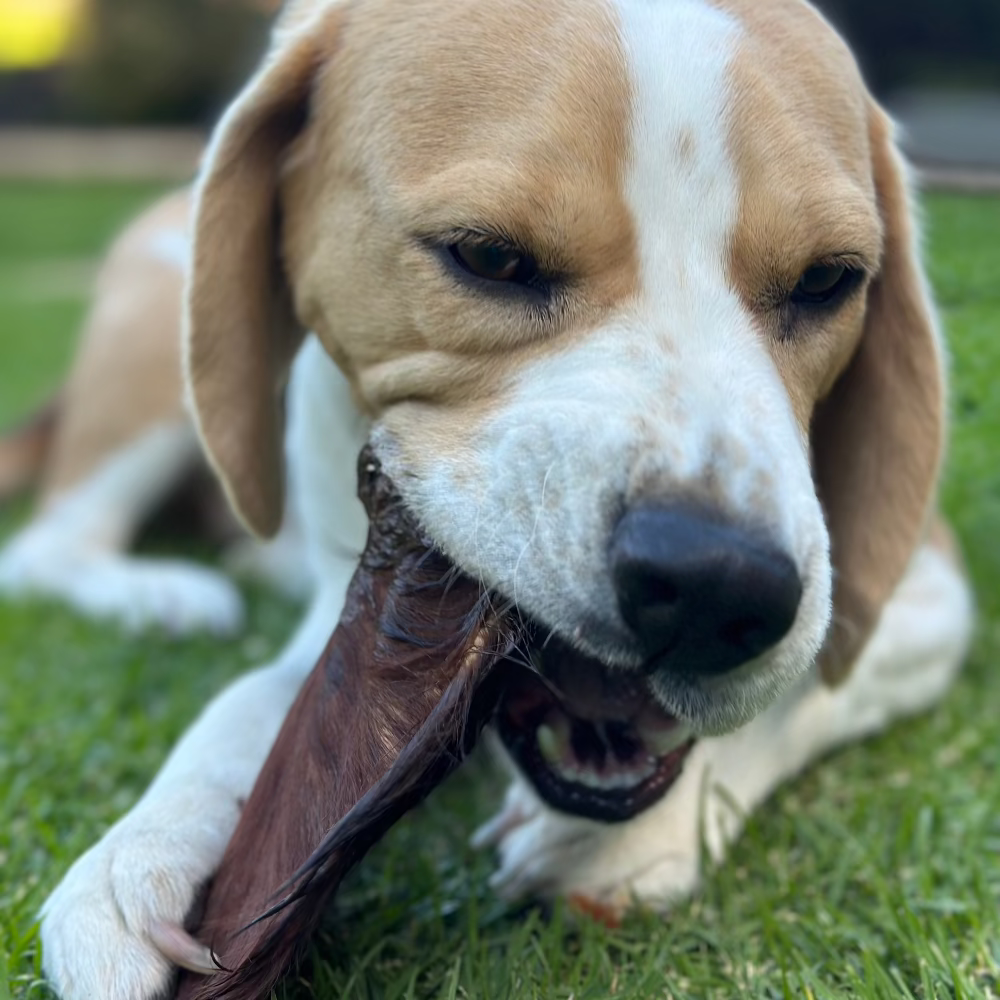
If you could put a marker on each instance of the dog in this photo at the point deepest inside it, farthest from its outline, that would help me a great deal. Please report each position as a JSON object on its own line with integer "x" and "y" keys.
{"x": 627, "y": 294}
{"x": 115, "y": 445}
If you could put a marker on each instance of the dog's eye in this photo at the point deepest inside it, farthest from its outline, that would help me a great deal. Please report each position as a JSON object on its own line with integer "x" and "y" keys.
{"x": 494, "y": 262}
{"x": 822, "y": 283}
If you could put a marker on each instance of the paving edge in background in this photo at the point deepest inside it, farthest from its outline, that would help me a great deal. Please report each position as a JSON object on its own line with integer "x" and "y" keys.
{"x": 959, "y": 180}
{"x": 100, "y": 154}
{"x": 172, "y": 155}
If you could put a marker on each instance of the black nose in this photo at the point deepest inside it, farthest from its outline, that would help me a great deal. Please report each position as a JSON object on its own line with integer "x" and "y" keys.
{"x": 702, "y": 596}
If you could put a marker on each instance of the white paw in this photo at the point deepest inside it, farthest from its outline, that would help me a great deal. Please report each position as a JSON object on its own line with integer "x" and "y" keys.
{"x": 651, "y": 860}
{"x": 181, "y": 598}
{"x": 99, "y": 925}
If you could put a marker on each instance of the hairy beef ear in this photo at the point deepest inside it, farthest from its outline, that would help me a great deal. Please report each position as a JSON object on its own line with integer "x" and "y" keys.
{"x": 878, "y": 438}
{"x": 240, "y": 330}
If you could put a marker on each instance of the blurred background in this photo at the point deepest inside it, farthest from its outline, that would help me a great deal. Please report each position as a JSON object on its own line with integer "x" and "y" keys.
{"x": 173, "y": 64}
{"x": 125, "y": 62}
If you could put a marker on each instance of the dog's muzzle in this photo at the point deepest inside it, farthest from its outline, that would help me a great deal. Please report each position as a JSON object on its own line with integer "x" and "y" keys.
{"x": 702, "y": 598}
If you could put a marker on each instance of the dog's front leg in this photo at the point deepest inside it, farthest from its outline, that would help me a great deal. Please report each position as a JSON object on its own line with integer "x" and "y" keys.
{"x": 97, "y": 924}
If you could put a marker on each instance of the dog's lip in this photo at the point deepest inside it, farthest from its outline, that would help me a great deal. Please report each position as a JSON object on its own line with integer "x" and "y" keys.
{"x": 591, "y": 738}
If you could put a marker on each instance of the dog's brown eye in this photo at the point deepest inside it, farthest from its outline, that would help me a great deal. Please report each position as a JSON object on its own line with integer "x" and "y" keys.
{"x": 822, "y": 283}
{"x": 494, "y": 263}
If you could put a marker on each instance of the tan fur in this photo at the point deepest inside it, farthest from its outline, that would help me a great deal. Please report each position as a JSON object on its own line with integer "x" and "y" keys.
{"x": 25, "y": 448}
{"x": 800, "y": 142}
{"x": 126, "y": 376}
{"x": 243, "y": 334}
{"x": 878, "y": 439}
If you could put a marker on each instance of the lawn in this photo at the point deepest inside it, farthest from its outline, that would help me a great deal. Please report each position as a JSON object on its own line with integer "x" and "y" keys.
{"x": 876, "y": 875}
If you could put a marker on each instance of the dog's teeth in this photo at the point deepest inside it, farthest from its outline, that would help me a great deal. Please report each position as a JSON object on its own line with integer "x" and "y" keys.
{"x": 555, "y": 747}
{"x": 549, "y": 745}
{"x": 604, "y": 782}
{"x": 667, "y": 740}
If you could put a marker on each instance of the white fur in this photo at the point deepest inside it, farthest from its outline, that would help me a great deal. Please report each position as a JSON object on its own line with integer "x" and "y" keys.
{"x": 172, "y": 246}
{"x": 326, "y": 435}
{"x": 73, "y": 550}
{"x": 324, "y": 526}
{"x": 907, "y": 666}
{"x": 150, "y": 865}
{"x": 675, "y": 392}
{"x": 281, "y": 562}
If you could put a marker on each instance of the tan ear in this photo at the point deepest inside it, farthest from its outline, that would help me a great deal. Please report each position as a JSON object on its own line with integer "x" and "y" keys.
{"x": 878, "y": 438}
{"x": 240, "y": 330}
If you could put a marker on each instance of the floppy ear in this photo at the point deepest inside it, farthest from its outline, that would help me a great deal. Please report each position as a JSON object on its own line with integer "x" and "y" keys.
{"x": 240, "y": 331}
{"x": 878, "y": 438}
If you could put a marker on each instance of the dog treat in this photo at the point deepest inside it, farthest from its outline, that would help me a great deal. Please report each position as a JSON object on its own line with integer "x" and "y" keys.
{"x": 395, "y": 703}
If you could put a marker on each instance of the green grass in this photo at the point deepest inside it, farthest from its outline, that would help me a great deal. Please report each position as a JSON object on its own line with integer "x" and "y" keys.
{"x": 876, "y": 875}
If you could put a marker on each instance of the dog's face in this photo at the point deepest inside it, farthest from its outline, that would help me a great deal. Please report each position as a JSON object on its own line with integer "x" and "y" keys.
{"x": 592, "y": 266}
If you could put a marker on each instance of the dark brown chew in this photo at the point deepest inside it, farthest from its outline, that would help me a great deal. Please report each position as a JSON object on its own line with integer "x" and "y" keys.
{"x": 393, "y": 706}
{"x": 25, "y": 448}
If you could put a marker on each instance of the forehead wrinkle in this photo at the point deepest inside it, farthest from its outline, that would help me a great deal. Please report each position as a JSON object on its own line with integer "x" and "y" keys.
{"x": 503, "y": 198}
{"x": 781, "y": 233}
{"x": 517, "y": 80}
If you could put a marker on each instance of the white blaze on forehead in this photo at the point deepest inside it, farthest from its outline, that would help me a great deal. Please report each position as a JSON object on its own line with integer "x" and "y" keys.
{"x": 730, "y": 409}
{"x": 681, "y": 184}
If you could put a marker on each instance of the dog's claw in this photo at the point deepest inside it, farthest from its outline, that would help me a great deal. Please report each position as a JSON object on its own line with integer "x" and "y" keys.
{"x": 176, "y": 944}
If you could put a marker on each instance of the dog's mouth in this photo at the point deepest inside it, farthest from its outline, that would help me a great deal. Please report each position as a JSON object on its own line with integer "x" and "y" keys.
{"x": 591, "y": 738}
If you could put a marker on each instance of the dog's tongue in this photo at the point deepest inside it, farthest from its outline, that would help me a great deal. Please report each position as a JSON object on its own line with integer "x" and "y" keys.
{"x": 394, "y": 704}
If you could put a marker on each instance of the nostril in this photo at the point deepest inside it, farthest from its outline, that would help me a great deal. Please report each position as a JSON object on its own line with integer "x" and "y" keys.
{"x": 642, "y": 591}
{"x": 649, "y": 604}
{"x": 748, "y": 635}
{"x": 661, "y": 592}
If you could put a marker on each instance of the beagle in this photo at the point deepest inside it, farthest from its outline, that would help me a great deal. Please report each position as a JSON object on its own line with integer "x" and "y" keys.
{"x": 115, "y": 445}
{"x": 627, "y": 295}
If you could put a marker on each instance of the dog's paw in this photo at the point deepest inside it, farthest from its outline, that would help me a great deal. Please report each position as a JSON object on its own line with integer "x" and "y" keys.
{"x": 652, "y": 860}
{"x": 106, "y": 927}
{"x": 139, "y": 594}
{"x": 180, "y": 598}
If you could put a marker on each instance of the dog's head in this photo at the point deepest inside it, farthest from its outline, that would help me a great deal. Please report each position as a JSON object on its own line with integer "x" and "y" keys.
{"x": 630, "y": 290}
